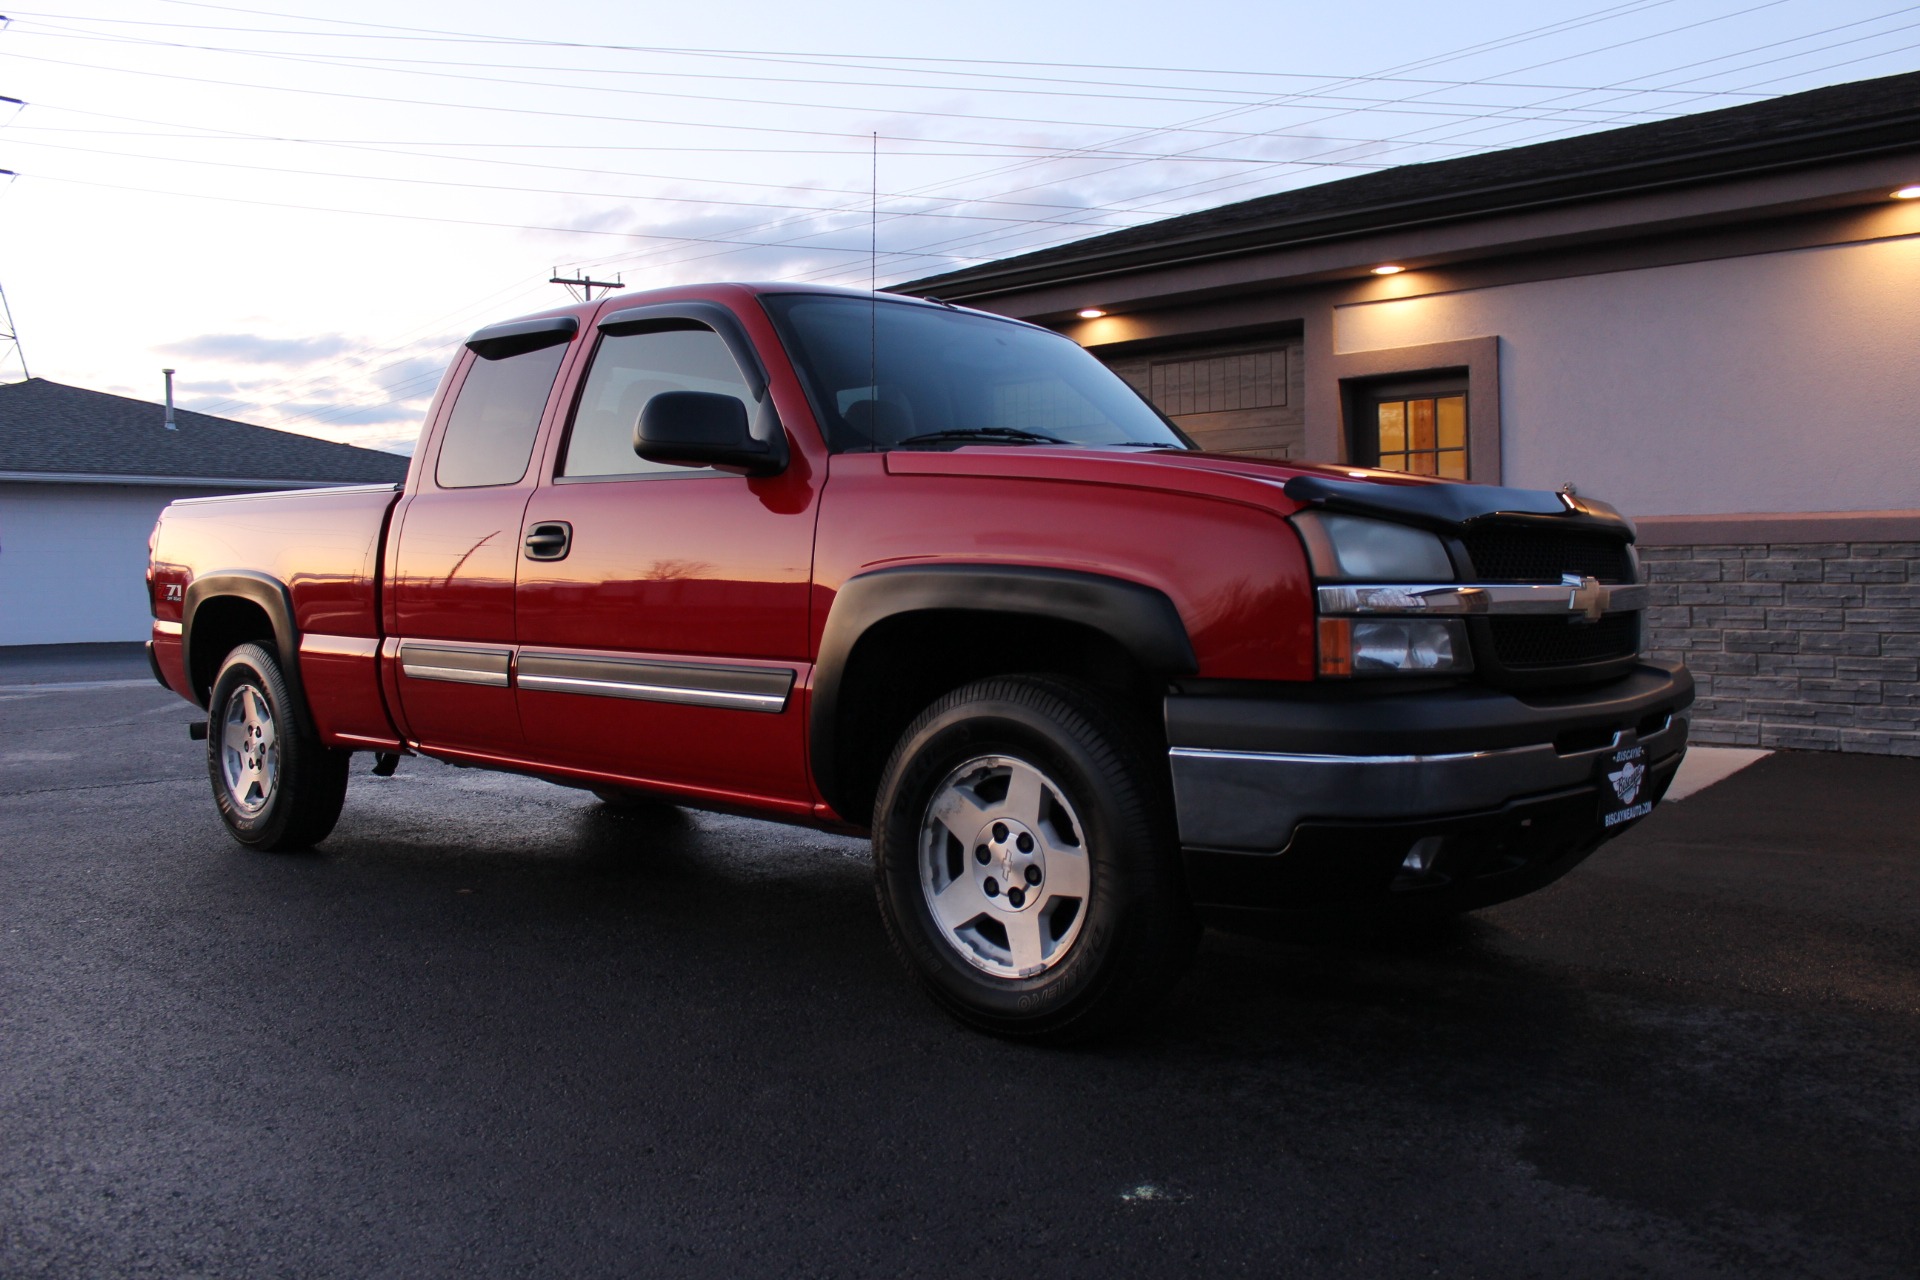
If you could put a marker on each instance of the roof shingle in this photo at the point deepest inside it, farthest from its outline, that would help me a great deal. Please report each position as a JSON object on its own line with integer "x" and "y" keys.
{"x": 1862, "y": 118}
{"x": 50, "y": 427}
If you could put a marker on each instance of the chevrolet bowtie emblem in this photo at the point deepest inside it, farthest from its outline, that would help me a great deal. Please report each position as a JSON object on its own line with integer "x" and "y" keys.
{"x": 1587, "y": 598}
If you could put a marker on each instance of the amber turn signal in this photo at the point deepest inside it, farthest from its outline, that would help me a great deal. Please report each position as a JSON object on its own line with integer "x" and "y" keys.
{"x": 1336, "y": 646}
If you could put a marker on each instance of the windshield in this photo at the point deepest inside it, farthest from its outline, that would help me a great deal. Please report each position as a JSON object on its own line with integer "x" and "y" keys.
{"x": 886, "y": 375}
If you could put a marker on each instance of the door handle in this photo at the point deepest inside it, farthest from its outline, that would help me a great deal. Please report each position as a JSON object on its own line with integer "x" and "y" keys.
{"x": 549, "y": 540}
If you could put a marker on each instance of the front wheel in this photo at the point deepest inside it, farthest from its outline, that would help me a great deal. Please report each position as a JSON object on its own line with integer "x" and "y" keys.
{"x": 277, "y": 786}
{"x": 1025, "y": 860}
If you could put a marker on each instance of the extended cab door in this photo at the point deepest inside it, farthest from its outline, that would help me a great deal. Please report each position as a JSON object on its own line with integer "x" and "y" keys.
{"x": 457, "y": 544}
{"x": 663, "y": 620}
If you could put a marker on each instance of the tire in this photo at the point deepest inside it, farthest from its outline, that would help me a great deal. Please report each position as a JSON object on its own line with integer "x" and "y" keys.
{"x": 278, "y": 788}
{"x": 1026, "y": 864}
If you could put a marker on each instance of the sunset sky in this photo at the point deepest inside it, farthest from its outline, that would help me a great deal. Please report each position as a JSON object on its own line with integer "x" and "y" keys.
{"x": 305, "y": 210}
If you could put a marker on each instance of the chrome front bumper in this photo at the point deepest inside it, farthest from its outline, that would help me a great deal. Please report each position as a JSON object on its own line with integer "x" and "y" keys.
{"x": 1253, "y": 801}
{"x": 1248, "y": 772}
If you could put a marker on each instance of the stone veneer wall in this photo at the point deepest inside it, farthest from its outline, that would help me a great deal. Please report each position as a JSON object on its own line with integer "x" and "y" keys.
{"x": 1803, "y": 645}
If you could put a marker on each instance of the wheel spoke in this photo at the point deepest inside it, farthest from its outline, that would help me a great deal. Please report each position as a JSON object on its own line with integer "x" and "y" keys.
{"x": 1024, "y": 789}
{"x": 959, "y": 811}
{"x": 958, "y": 903}
{"x": 233, "y": 736}
{"x": 1067, "y": 875}
{"x": 1023, "y": 939}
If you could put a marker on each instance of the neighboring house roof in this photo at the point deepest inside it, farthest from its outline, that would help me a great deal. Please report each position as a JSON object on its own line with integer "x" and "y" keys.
{"x": 51, "y": 430}
{"x": 1835, "y": 123}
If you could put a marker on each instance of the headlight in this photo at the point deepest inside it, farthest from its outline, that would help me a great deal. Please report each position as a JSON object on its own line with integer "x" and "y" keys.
{"x": 1393, "y": 646}
{"x": 1355, "y": 549}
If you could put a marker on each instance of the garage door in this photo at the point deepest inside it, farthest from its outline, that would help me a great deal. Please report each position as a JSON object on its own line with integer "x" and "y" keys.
{"x": 1245, "y": 397}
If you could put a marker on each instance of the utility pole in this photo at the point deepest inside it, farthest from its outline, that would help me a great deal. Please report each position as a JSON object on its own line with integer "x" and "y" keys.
{"x": 581, "y": 287}
{"x": 10, "y": 348}
{"x": 10, "y": 338}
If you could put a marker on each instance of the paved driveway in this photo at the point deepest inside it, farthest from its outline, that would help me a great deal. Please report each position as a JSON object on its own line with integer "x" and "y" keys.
{"x": 495, "y": 1029}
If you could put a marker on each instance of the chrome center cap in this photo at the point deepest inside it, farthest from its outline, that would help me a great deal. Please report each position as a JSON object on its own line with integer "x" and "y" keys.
{"x": 1009, "y": 865}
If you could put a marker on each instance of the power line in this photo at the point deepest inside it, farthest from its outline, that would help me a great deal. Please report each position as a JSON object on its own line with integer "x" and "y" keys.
{"x": 1633, "y": 6}
{"x": 380, "y": 62}
{"x": 1214, "y": 186}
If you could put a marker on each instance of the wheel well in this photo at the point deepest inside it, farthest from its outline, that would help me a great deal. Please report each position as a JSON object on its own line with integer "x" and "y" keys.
{"x": 220, "y": 626}
{"x": 902, "y": 664}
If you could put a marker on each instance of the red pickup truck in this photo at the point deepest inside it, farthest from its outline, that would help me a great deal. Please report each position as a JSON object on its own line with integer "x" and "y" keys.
{"x": 889, "y": 565}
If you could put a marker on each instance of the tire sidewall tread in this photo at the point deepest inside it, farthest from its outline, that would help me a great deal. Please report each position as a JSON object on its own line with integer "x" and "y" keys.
{"x": 312, "y": 781}
{"x": 1139, "y": 929}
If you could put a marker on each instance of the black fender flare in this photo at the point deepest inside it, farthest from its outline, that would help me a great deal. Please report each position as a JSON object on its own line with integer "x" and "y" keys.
{"x": 273, "y": 598}
{"x": 1141, "y": 619}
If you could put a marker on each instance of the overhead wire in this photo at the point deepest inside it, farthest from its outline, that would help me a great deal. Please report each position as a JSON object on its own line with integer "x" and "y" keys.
{"x": 1215, "y": 186}
{"x": 703, "y": 246}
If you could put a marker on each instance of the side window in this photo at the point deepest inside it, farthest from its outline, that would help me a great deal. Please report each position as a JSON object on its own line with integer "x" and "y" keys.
{"x": 489, "y": 436}
{"x": 630, "y": 369}
{"x": 1417, "y": 427}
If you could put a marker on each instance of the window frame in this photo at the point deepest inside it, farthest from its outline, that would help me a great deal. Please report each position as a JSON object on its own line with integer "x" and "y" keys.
{"x": 1363, "y": 442}
{"x": 665, "y": 318}
{"x": 1344, "y": 376}
{"x": 545, "y": 337}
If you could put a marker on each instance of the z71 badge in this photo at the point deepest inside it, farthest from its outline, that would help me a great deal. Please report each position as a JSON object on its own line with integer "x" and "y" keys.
{"x": 1625, "y": 772}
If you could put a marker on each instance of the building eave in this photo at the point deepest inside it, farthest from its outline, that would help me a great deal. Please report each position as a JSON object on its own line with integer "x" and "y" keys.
{"x": 168, "y": 482}
{"x": 1836, "y": 146}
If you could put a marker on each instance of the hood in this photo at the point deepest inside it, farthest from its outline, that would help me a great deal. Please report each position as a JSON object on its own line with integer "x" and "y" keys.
{"x": 1284, "y": 487}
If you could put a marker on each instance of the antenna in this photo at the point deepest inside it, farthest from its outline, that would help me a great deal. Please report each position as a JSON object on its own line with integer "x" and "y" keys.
{"x": 873, "y": 290}
{"x": 585, "y": 285}
{"x": 10, "y": 338}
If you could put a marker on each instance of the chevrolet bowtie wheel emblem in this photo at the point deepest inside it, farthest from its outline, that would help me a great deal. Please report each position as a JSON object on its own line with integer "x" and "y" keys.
{"x": 1588, "y": 598}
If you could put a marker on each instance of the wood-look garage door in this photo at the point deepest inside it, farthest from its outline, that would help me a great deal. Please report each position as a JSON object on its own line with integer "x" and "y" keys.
{"x": 1244, "y": 397}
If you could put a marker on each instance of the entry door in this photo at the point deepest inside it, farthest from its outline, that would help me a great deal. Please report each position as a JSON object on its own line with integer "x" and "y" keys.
{"x": 663, "y": 642}
{"x": 458, "y": 548}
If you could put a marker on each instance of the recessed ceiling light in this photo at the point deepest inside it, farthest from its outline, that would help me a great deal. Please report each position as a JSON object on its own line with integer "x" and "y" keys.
{"x": 1387, "y": 269}
{"x": 1090, "y": 313}
{"x": 1908, "y": 193}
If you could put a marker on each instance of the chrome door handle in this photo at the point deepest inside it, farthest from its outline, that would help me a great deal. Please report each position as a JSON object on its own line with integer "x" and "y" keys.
{"x": 549, "y": 540}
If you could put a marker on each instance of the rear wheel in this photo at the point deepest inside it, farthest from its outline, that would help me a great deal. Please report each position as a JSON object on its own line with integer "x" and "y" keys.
{"x": 1025, "y": 860}
{"x": 276, "y": 785}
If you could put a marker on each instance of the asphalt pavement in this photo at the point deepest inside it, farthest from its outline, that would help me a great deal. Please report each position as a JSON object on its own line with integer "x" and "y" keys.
{"x": 492, "y": 1028}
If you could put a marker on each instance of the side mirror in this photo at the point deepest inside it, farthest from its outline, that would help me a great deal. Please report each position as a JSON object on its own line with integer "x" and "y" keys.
{"x": 702, "y": 429}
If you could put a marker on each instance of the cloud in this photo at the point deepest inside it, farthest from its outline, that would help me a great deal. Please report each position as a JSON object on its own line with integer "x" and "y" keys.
{"x": 248, "y": 348}
{"x": 342, "y": 415}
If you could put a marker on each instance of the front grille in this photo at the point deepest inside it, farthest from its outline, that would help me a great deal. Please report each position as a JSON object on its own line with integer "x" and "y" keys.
{"x": 1533, "y": 554}
{"x": 1529, "y": 644}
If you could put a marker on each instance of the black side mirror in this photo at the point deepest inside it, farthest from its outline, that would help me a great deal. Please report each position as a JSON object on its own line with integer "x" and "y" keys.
{"x": 703, "y": 429}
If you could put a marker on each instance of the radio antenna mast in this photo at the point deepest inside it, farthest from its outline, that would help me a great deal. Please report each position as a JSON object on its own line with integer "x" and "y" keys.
{"x": 873, "y": 287}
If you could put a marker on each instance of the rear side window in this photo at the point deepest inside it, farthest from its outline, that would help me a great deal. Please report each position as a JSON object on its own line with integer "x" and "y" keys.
{"x": 630, "y": 369}
{"x": 489, "y": 437}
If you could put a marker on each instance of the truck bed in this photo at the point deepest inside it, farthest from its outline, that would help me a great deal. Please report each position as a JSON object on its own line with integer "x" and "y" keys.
{"x": 314, "y": 553}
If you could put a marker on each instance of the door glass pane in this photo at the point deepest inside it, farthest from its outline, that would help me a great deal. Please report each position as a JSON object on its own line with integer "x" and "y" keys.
{"x": 1393, "y": 427}
{"x": 1420, "y": 424}
{"x": 489, "y": 435}
{"x": 1452, "y": 414}
{"x": 629, "y": 370}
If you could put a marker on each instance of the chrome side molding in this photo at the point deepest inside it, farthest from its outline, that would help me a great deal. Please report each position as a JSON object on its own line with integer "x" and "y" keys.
{"x": 688, "y": 683}
{"x": 456, "y": 663}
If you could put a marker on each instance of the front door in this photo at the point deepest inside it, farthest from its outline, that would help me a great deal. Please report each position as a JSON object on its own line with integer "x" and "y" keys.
{"x": 457, "y": 548}
{"x": 663, "y": 619}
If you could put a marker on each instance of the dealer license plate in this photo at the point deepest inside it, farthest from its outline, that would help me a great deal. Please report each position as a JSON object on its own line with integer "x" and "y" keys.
{"x": 1623, "y": 782}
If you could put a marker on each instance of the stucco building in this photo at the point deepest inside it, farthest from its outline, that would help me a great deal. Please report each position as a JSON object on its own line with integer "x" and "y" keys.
{"x": 83, "y": 476}
{"x": 1712, "y": 322}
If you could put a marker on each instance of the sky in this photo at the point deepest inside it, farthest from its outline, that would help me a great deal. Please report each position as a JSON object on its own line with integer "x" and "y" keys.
{"x": 304, "y": 208}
